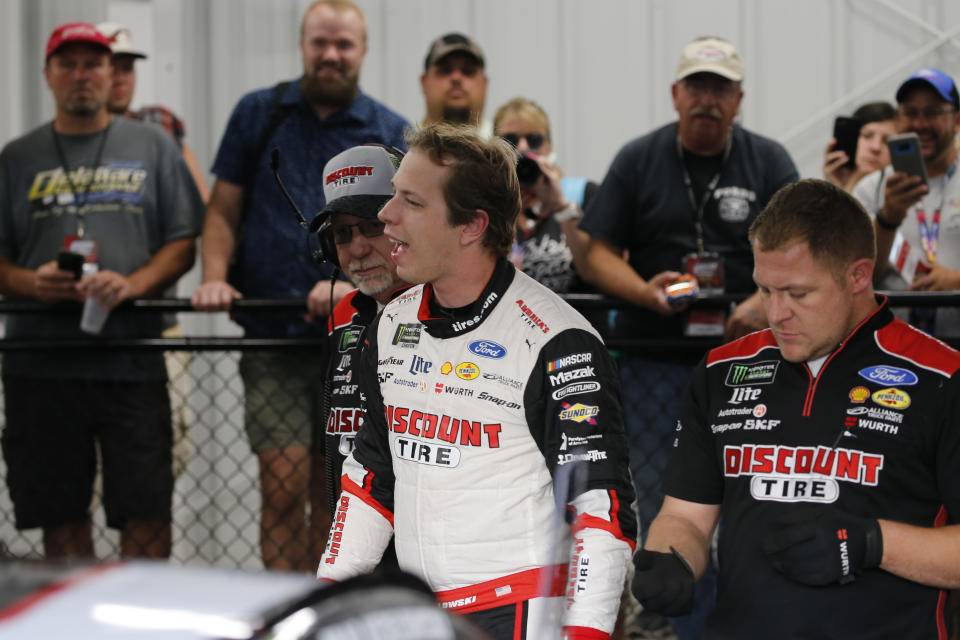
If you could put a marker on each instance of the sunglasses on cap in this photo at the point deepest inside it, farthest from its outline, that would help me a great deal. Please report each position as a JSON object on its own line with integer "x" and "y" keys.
{"x": 534, "y": 140}
{"x": 343, "y": 233}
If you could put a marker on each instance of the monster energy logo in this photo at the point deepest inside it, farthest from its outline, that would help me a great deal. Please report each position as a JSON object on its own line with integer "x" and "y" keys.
{"x": 349, "y": 338}
{"x": 408, "y": 335}
{"x": 758, "y": 373}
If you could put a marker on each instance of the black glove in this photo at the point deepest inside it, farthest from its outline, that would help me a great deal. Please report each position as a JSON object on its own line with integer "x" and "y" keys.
{"x": 663, "y": 582}
{"x": 821, "y": 545}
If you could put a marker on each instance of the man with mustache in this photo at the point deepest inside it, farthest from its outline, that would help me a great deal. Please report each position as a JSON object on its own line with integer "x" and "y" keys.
{"x": 350, "y": 230}
{"x": 680, "y": 198}
{"x": 925, "y": 217}
{"x": 454, "y": 84}
{"x": 310, "y": 120}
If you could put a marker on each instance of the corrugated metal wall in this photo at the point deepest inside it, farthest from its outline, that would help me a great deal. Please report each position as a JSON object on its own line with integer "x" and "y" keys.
{"x": 601, "y": 68}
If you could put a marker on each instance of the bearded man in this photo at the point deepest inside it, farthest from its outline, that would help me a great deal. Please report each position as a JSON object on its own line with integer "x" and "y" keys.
{"x": 310, "y": 120}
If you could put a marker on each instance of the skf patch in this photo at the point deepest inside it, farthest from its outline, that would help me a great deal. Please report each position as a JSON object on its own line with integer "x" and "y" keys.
{"x": 579, "y": 412}
{"x": 745, "y": 374}
{"x": 859, "y": 394}
{"x": 467, "y": 371}
{"x": 892, "y": 397}
{"x": 408, "y": 335}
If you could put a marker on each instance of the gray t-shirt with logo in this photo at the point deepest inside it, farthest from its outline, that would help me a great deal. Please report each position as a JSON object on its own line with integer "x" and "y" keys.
{"x": 141, "y": 196}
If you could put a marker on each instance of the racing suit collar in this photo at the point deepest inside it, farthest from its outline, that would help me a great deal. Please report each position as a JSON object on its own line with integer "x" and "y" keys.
{"x": 878, "y": 318}
{"x": 441, "y": 322}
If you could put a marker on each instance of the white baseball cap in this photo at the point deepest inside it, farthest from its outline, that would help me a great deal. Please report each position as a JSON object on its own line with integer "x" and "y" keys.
{"x": 120, "y": 41}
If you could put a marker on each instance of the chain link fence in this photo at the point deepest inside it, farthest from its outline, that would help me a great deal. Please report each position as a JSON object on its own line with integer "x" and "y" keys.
{"x": 217, "y": 492}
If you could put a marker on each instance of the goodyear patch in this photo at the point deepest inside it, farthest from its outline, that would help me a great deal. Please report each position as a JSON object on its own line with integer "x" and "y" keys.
{"x": 739, "y": 375}
{"x": 892, "y": 398}
{"x": 467, "y": 371}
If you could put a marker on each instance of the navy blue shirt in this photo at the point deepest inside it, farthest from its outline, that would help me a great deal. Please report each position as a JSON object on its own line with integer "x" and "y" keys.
{"x": 273, "y": 259}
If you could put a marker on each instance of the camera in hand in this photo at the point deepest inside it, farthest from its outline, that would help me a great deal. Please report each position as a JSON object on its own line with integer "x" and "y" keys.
{"x": 682, "y": 291}
{"x": 528, "y": 171}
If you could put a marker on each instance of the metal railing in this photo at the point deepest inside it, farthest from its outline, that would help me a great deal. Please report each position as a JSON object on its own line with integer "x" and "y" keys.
{"x": 217, "y": 486}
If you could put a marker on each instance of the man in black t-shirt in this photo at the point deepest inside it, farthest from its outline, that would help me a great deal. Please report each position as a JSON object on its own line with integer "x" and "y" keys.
{"x": 829, "y": 444}
{"x": 690, "y": 187}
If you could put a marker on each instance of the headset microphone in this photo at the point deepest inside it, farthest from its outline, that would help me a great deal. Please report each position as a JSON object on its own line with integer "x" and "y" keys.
{"x": 275, "y": 165}
{"x": 327, "y": 252}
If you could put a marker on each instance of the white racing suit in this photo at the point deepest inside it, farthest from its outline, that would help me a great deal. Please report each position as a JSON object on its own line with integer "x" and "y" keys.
{"x": 493, "y": 450}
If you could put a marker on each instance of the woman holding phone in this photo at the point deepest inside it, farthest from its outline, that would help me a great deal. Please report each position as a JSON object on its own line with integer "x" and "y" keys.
{"x": 876, "y": 126}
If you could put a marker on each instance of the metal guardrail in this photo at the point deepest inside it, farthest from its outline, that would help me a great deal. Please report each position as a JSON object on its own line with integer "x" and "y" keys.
{"x": 580, "y": 301}
{"x": 217, "y": 500}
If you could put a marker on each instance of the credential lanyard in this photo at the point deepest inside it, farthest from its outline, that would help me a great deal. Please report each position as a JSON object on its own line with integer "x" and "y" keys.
{"x": 79, "y": 197}
{"x": 930, "y": 233}
{"x": 698, "y": 208}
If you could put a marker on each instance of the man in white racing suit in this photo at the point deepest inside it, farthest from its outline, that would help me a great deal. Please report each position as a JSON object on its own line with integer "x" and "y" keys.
{"x": 492, "y": 446}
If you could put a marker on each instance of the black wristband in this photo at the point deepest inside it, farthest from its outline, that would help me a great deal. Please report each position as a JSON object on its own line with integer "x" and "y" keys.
{"x": 873, "y": 545}
{"x": 883, "y": 223}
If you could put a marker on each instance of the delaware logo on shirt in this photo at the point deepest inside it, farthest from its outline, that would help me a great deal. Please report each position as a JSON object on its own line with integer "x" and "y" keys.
{"x": 115, "y": 182}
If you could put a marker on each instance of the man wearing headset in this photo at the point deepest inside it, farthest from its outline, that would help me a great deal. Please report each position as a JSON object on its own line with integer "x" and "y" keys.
{"x": 357, "y": 183}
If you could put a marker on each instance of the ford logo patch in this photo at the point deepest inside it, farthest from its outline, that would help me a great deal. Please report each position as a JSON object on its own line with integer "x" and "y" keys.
{"x": 883, "y": 374}
{"x": 487, "y": 349}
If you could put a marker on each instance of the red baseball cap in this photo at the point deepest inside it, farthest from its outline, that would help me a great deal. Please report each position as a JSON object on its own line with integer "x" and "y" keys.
{"x": 76, "y": 32}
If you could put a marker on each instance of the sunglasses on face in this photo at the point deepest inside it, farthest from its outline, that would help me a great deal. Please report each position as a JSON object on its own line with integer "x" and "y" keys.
{"x": 343, "y": 233}
{"x": 534, "y": 140}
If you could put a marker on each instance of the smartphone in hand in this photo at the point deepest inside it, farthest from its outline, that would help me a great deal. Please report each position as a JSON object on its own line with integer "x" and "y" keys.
{"x": 905, "y": 155}
{"x": 846, "y": 131}
{"x": 73, "y": 262}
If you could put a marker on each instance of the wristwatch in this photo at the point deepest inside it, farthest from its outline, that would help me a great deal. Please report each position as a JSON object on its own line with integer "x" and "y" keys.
{"x": 883, "y": 223}
{"x": 569, "y": 212}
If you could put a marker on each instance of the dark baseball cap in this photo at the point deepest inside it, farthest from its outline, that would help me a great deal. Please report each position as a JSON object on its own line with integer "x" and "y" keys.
{"x": 452, "y": 43}
{"x": 930, "y": 77}
{"x": 75, "y": 32}
{"x": 358, "y": 182}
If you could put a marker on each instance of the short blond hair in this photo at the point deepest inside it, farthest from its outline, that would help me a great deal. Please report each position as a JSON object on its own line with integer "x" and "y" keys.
{"x": 338, "y": 6}
{"x": 526, "y": 110}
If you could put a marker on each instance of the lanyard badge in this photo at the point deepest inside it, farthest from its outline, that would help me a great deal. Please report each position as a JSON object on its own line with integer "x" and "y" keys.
{"x": 929, "y": 233}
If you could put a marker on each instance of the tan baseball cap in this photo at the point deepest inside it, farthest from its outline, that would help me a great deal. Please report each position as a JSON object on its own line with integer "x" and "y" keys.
{"x": 452, "y": 43}
{"x": 120, "y": 41}
{"x": 710, "y": 55}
